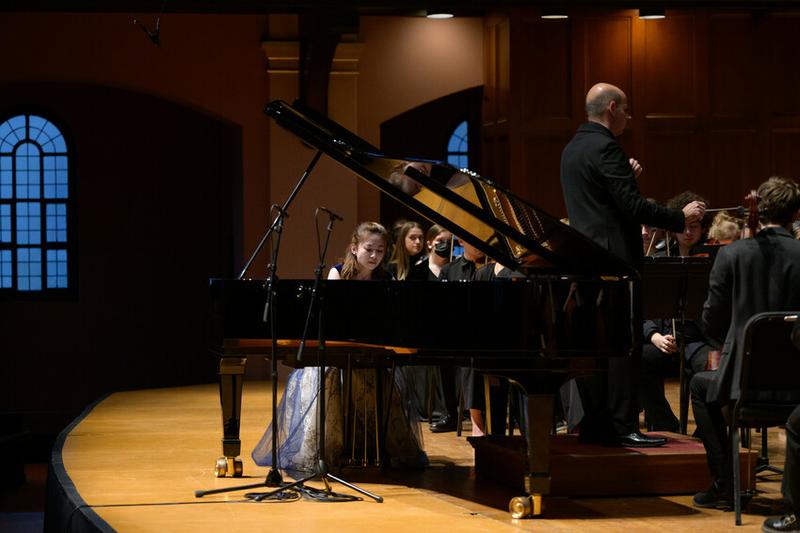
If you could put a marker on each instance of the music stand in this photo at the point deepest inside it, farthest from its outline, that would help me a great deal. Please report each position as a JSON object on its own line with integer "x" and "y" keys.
{"x": 676, "y": 287}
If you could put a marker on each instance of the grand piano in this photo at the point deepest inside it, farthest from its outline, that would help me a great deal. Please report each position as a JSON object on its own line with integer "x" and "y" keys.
{"x": 569, "y": 311}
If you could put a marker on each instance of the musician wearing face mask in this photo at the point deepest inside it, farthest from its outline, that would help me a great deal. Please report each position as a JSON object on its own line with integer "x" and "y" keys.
{"x": 438, "y": 243}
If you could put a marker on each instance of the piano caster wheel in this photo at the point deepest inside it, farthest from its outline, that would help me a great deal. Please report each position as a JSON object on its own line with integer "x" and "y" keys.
{"x": 221, "y": 468}
{"x": 225, "y": 465}
{"x": 525, "y": 506}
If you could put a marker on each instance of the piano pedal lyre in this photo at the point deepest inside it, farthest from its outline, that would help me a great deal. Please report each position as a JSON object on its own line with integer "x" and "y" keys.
{"x": 525, "y": 506}
{"x": 226, "y": 465}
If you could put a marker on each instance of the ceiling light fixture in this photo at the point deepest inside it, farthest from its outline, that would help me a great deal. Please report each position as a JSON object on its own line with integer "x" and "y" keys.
{"x": 438, "y": 14}
{"x": 554, "y": 14}
{"x": 652, "y": 13}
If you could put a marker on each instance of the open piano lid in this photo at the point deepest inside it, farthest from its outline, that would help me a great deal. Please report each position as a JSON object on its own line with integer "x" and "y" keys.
{"x": 505, "y": 227}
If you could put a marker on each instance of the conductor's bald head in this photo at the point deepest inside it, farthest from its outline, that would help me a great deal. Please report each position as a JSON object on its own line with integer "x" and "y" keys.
{"x": 607, "y": 104}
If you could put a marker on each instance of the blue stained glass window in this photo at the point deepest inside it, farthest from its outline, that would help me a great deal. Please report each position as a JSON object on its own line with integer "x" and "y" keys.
{"x": 56, "y": 269}
{"x": 5, "y": 223}
{"x": 56, "y": 220}
{"x": 34, "y": 235}
{"x": 29, "y": 223}
{"x": 6, "y": 276}
{"x": 457, "y": 147}
{"x": 29, "y": 269}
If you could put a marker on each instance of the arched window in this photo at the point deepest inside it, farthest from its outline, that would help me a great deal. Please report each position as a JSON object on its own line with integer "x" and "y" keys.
{"x": 458, "y": 147}
{"x": 34, "y": 206}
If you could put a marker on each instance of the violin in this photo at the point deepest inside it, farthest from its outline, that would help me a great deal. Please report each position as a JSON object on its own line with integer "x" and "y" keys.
{"x": 751, "y": 200}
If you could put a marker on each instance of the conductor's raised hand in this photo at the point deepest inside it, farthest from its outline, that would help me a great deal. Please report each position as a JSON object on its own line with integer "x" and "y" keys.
{"x": 637, "y": 168}
{"x": 694, "y": 211}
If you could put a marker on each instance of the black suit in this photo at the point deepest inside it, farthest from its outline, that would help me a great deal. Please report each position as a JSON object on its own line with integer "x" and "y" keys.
{"x": 749, "y": 276}
{"x": 602, "y": 197}
{"x": 604, "y": 203}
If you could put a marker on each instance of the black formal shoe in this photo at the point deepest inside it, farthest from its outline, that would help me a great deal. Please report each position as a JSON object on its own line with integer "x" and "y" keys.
{"x": 637, "y": 440}
{"x": 787, "y": 522}
{"x": 444, "y": 424}
{"x": 716, "y": 497}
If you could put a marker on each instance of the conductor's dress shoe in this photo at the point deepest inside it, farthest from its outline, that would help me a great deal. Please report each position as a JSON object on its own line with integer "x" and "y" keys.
{"x": 787, "y": 522}
{"x": 444, "y": 424}
{"x": 637, "y": 440}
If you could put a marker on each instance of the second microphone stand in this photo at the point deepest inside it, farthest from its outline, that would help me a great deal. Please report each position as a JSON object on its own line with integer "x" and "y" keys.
{"x": 321, "y": 472}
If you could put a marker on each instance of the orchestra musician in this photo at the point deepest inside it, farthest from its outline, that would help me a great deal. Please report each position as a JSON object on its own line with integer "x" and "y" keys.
{"x": 660, "y": 334}
{"x": 604, "y": 202}
{"x": 462, "y": 268}
{"x": 724, "y": 229}
{"x": 749, "y": 276}
{"x": 407, "y": 250}
{"x": 438, "y": 243}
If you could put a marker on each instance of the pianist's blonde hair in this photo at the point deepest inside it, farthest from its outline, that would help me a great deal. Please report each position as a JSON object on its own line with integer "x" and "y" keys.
{"x": 349, "y": 263}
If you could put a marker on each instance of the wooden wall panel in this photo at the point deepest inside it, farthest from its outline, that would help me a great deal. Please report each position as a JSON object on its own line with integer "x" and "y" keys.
{"x": 732, "y": 56}
{"x": 669, "y": 68}
{"x": 785, "y": 154}
{"x": 542, "y": 157}
{"x": 608, "y": 50}
{"x": 783, "y": 84}
{"x": 734, "y": 167}
{"x": 494, "y": 125}
{"x": 665, "y": 162}
{"x": 545, "y": 47}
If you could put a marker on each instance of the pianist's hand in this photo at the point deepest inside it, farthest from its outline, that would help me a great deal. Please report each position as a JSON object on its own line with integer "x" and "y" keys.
{"x": 665, "y": 343}
{"x": 694, "y": 212}
{"x": 637, "y": 168}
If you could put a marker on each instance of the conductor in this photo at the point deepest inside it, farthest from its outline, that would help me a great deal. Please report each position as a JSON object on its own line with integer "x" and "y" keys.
{"x": 603, "y": 202}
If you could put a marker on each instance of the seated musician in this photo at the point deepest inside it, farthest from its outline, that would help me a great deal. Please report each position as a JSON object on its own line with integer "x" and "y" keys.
{"x": 437, "y": 254}
{"x": 724, "y": 228}
{"x": 660, "y": 335}
{"x": 461, "y": 268}
{"x": 407, "y": 250}
{"x": 749, "y": 276}
{"x": 298, "y": 413}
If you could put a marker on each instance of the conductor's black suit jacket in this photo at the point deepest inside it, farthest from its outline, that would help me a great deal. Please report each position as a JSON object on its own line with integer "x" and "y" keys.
{"x": 749, "y": 276}
{"x": 602, "y": 197}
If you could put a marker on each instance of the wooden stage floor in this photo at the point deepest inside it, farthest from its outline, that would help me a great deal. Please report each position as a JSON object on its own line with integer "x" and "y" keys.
{"x": 137, "y": 457}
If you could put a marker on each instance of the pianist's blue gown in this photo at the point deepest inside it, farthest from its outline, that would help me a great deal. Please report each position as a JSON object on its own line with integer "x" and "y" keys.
{"x": 298, "y": 419}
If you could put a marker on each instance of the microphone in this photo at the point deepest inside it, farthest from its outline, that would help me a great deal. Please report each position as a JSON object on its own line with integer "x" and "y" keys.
{"x": 333, "y": 215}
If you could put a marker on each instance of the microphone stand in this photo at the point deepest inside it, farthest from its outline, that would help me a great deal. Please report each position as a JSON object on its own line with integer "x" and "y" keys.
{"x": 321, "y": 473}
{"x": 274, "y": 478}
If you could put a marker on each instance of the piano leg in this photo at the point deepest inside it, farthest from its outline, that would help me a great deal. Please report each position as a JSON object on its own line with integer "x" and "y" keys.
{"x": 537, "y": 479}
{"x": 231, "y": 377}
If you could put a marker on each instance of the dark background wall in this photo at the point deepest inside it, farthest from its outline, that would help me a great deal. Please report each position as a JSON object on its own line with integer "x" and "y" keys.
{"x": 713, "y": 96}
{"x": 155, "y": 188}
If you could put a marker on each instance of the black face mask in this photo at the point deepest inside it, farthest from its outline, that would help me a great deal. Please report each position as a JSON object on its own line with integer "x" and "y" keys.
{"x": 442, "y": 249}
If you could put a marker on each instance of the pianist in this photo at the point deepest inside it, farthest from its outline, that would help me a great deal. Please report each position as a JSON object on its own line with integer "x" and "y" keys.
{"x": 603, "y": 201}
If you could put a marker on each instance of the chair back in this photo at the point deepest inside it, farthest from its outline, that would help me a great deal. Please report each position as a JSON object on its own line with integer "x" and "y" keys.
{"x": 770, "y": 361}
